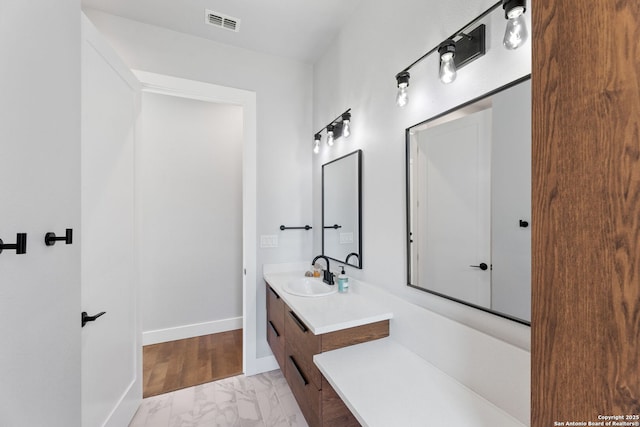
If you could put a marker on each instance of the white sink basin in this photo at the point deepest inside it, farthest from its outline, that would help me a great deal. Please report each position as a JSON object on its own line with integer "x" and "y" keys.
{"x": 309, "y": 287}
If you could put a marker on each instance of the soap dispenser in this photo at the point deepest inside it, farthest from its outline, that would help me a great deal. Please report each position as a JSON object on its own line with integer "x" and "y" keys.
{"x": 343, "y": 281}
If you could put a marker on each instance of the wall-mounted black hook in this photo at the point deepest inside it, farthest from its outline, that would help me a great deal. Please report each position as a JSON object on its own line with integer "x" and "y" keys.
{"x": 524, "y": 224}
{"x": 50, "y": 239}
{"x": 20, "y": 245}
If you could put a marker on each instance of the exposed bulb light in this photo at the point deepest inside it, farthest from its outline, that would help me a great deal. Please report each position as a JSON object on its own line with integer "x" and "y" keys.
{"x": 346, "y": 125}
{"x": 516, "y": 32}
{"x": 330, "y": 135}
{"x": 447, "y": 51}
{"x": 316, "y": 143}
{"x": 338, "y": 127}
{"x": 402, "y": 98}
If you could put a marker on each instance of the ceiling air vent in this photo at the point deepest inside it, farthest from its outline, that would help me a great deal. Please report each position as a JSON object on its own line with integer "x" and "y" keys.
{"x": 222, "y": 21}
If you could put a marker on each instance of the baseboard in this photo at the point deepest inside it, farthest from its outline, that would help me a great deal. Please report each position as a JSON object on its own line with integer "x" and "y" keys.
{"x": 190, "y": 331}
{"x": 125, "y": 410}
{"x": 263, "y": 364}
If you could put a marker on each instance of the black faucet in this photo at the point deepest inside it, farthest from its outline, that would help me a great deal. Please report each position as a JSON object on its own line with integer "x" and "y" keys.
{"x": 346, "y": 261}
{"x": 328, "y": 275}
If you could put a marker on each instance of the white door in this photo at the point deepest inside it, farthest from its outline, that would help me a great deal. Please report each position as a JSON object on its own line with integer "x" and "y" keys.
{"x": 454, "y": 202}
{"x": 111, "y": 345}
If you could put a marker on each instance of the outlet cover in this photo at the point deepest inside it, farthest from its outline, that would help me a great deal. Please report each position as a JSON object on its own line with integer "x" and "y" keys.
{"x": 269, "y": 241}
{"x": 346, "y": 238}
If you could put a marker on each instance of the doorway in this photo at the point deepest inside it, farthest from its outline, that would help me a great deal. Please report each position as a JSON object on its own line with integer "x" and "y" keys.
{"x": 194, "y": 208}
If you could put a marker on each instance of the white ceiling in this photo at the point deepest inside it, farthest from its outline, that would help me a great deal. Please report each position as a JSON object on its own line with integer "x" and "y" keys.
{"x": 298, "y": 29}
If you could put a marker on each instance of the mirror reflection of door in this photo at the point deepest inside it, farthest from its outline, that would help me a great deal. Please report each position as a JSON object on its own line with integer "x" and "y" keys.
{"x": 452, "y": 213}
{"x": 469, "y": 202}
{"x": 511, "y": 202}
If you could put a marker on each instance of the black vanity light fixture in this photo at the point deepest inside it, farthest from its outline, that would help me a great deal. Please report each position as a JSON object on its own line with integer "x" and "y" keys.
{"x": 339, "y": 127}
{"x": 467, "y": 45}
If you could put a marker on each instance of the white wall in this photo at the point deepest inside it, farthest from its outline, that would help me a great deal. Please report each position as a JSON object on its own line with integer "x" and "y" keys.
{"x": 284, "y": 133}
{"x": 189, "y": 193}
{"x": 40, "y": 192}
{"x": 358, "y": 72}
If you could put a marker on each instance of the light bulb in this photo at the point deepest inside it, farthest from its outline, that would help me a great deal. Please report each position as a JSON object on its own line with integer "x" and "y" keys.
{"x": 402, "y": 79}
{"x": 330, "y": 136}
{"x": 317, "y": 138}
{"x": 330, "y": 139}
{"x": 346, "y": 128}
{"x": 346, "y": 124}
{"x": 516, "y": 32}
{"x": 402, "y": 98}
{"x": 447, "y": 68}
{"x": 316, "y": 143}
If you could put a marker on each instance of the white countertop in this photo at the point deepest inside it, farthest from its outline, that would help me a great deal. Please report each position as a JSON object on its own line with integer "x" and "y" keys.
{"x": 333, "y": 312}
{"x": 384, "y": 384}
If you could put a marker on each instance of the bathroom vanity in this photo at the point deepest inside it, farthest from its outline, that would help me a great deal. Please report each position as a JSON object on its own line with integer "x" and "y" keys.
{"x": 357, "y": 359}
{"x": 300, "y": 327}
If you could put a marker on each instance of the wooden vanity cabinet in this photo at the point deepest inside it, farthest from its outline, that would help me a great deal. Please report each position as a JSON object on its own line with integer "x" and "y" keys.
{"x": 294, "y": 350}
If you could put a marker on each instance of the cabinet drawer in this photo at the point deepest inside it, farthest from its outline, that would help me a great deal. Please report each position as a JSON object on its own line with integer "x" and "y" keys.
{"x": 275, "y": 310}
{"x": 307, "y": 395}
{"x": 302, "y": 344}
{"x": 275, "y": 338}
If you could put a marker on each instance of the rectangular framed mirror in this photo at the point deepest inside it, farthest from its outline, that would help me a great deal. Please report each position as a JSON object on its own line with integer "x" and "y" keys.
{"x": 342, "y": 209}
{"x": 469, "y": 203}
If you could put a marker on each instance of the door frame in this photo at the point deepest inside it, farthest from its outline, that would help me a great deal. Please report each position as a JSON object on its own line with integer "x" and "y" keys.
{"x": 208, "y": 92}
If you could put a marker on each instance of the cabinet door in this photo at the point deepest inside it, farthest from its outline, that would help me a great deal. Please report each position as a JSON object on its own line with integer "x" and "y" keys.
{"x": 275, "y": 326}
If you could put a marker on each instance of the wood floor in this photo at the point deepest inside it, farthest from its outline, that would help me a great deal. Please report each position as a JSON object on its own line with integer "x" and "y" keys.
{"x": 184, "y": 363}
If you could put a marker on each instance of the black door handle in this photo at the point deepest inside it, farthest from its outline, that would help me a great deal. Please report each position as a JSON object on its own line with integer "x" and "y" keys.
{"x": 86, "y": 318}
{"x": 482, "y": 266}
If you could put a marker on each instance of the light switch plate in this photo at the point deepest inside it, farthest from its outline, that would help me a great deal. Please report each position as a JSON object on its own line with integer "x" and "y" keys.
{"x": 269, "y": 241}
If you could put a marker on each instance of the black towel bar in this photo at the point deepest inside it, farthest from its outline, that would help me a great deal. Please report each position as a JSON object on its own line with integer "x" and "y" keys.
{"x": 306, "y": 227}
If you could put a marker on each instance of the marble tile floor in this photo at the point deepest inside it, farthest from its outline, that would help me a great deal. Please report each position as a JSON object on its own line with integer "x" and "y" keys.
{"x": 263, "y": 400}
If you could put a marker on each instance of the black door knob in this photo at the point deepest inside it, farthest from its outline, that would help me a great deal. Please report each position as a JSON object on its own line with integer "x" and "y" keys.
{"x": 482, "y": 266}
{"x": 86, "y": 318}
